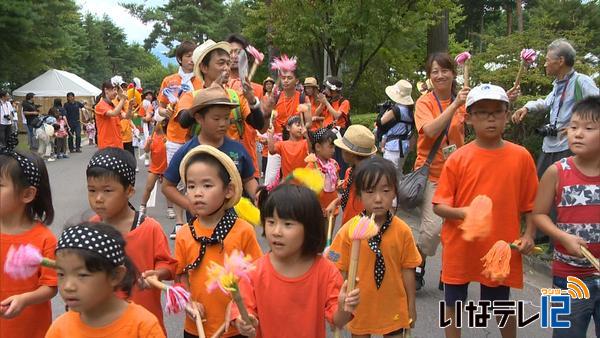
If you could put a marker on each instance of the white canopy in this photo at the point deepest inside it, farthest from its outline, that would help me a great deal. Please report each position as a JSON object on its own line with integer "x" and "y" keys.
{"x": 56, "y": 82}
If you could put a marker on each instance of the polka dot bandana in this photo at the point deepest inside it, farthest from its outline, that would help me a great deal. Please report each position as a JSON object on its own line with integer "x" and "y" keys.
{"x": 318, "y": 134}
{"x": 30, "y": 170}
{"x": 346, "y": 192}
{"x": 82, "y": 237}
{"x": 217, "y": 237}
{"x": 374, "y": 243}
{"x": 115, "y": 165}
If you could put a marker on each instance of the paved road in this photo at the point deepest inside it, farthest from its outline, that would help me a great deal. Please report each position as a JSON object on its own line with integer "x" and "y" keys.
{"x": 69, "y": 192}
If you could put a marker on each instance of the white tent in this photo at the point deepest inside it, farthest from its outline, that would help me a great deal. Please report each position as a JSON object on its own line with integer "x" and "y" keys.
{"x": 57, "y": 83}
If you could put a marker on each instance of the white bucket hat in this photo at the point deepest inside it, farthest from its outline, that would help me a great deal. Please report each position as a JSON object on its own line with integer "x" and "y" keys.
{"x": 400, "y": 92}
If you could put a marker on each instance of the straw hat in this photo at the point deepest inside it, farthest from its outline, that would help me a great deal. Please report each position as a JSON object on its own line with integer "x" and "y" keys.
{"x": 358, "y": 140}
{"x": 400, "y": 92}
{"x": 226, "y": 161}
{"x": 311, "y": 82}
{"x": 214, "y": 95}
{"x": 201, "y": 51}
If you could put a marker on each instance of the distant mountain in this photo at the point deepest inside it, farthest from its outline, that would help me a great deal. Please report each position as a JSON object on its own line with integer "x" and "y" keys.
{"x": 160, "y": 52}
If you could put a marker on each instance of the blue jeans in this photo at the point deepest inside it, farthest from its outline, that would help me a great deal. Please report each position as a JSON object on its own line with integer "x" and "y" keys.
{"x": 31, "y": 139}
{"x": 582, "y": 310}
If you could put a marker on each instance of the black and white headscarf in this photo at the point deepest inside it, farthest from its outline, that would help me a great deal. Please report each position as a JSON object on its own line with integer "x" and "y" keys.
{"x": 115, "y": 165}
{"x": 30, "y": 170}
{"x": 85, "y": 238}
{"x": 217, "y": 237}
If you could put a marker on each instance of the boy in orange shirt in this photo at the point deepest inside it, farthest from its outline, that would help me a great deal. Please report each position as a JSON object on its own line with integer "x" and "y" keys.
{"x": 473, "y": 170}
{"x": 292, "y": 151}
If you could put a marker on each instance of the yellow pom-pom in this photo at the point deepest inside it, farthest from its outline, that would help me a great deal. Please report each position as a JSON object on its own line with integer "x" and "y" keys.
{"x": 247, "y": 211}
{"x": 311, "y": 178}
{"x": 362, "y": 227}
{"x": 132, "y": 93}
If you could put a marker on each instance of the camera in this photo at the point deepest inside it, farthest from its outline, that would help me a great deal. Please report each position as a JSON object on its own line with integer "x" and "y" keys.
{"x": 384, "y": 106}
{"x": 547, "y": 130}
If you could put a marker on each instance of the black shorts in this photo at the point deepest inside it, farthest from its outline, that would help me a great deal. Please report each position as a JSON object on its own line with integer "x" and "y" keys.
{"x": 453, "y": 293}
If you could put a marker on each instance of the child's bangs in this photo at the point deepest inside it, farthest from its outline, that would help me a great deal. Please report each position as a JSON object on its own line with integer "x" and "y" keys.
{"x": 588, "y": 115}
{"x": 98, "y": 172}
{"x": 283, "y": 204}
{"x": 93, "y": 262}
{"x": 370, "y": 173}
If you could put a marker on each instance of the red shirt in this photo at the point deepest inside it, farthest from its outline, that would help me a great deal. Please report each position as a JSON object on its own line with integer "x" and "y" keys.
{"x": 292, "y": 155}
{"x": 577, "y": 214}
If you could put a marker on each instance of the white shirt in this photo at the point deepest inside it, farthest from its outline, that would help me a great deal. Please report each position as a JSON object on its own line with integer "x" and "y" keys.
{"x": 6, "y": 109}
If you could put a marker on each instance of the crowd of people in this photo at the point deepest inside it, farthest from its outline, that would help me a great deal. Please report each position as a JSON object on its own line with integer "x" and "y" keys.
{"x": 202, "y": 138}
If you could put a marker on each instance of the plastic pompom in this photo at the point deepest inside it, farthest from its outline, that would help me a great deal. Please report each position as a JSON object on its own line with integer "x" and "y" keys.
{"x": 496, "y": 262}
{"x": 256, "y": 54}
{"x": 311, "y": 178}
{"x": 462, "y": 58}
{"x": 284, "y": 64}
{"x": 478, "y": 221}
{"x": 528, "y": 55}
{"x": 23, "y": 261}
{"x": 362, "y": 227}
{"x": 247, "y": 211}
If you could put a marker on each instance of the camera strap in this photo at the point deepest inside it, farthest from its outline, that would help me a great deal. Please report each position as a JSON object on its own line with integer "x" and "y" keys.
{"x": 562, "y": 99}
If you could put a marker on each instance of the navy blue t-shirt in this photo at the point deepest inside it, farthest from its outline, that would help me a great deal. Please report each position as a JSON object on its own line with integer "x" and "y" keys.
{"x": 73, "y": 110}
{"x": 231, "y": 148}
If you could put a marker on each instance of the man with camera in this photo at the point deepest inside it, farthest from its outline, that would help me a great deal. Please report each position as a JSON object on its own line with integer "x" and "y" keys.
{"x": 7, "y": 115}
{"x": 569, "y": 87}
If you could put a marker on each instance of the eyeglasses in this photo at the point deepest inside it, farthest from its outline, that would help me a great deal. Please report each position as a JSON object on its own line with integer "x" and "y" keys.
{"x": 487, "y": 114}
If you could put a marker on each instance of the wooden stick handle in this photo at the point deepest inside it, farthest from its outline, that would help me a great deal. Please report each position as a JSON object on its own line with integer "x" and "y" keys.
{"x": 588, "y": 255}
{"x": 518, "y": 79}
{"x": 49, "y": 263}
{"x": 353, "y": 268}
{"x": 220, "y": 331}
{"x": 337, "y": 333}
{"x": 253, "y": 70}
{"x": 199, "y": 326}
{"x": 535, "y": 251}
{"x": 466, "y": 74}
{"x": 329, "y": 229}
{"x": 237, "y": 298}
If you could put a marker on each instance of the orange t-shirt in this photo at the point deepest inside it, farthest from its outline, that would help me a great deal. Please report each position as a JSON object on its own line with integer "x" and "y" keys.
{"x": 236, "y": 84}
{"x": 385, "y": 309}
{"x": 34, "y": 320}
{"x": 158, "y": 154}
{"x": 426, "y": 110}
{"x": 343, "y": 107}
{"x": 286, "y": 107}
{"x": 148, "y": 248}
{"x": 313, "y": 112}
{"x": 134, "y": 322}
{"x": 303, "y": 303}
{"x": 175, "y": 133}
{"x": 240, "y": 237}
{"x": 355, "y": 205}
{"x": 109, "y": 127}
{"x": 325, "y": 197}
{"x": 473, "y": 171}
{"x": 292, "y": 155}
{"x": 126, "y": 130}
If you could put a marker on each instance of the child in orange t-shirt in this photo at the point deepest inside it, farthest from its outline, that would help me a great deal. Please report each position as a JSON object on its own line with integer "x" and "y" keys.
{"x": 322, "y": 140}
{"x": 292, "y": 151}
{"x": 92, "y": 265}
{"x": 214, "y": 186}
{"x": 110, "y": 181}
{"x": 294, "y": 290}
{"x": 357, "y": 145}
{"x": 25, "y": 206}
{"x": 473, "y": 170}
{"x": 155, "y": 146}
{"x": 387, "y": 261}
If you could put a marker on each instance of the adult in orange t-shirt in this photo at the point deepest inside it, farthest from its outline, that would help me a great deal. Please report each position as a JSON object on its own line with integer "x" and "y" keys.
{"x": 311, "y": 90}
{"x": 305, "y": 303}
{"x": 433, "y": 112}
{"x": 134, "y": 322}
{"x": 171, "y": 89}
{"x": 148, "y": 248}
{"x": 473, "y": 171}
{"x": 108, "y": 116}
{"x": 384, "y": 310}
{"x": 34, "y": 320}
{"x": 241, "y": 237}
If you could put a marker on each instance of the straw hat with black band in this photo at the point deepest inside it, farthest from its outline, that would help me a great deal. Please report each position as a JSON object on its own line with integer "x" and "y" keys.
{"x": 226, "y": 161}
{"x": 358, "y": 140}
{"x": 400, "y": 92}
{"x": 202, "y": 51}
{"x": 311, "y": 82}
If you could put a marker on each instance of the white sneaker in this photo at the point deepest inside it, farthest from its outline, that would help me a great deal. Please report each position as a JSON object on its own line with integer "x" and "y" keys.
{"x": 142, "y": 209}
{"x": 176, "y": 228}
{"x": 51, "y": 159}
{"x": 170, "y": 213}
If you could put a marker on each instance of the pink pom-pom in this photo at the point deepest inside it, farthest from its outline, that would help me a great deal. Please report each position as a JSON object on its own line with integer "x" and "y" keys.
{"x": 177, "y": 298}
{"x": 23, "y": 261}
{"x": 528, "y": 55}
{"x": 284, "y": 64}
{"x": 256, "y": 54}
{"x": 462, "y": 58}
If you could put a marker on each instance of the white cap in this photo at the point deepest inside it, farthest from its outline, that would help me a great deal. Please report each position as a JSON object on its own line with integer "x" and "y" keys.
{"x": 486, "y": 91}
